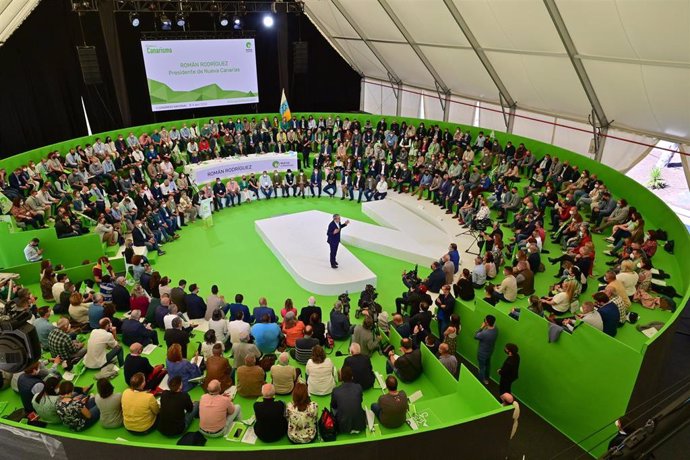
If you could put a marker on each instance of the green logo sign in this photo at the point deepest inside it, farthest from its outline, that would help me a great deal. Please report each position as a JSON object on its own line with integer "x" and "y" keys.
{"x": 276, "y": 164}
{"x": 248, "y": 45}
{"x": 158, "y": 50}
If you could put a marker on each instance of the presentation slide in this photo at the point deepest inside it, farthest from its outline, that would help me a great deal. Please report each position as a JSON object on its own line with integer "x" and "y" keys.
{"x": 185, "y": 74}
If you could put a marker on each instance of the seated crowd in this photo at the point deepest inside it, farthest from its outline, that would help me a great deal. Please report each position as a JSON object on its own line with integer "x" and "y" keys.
{"x": 133, "y": 186}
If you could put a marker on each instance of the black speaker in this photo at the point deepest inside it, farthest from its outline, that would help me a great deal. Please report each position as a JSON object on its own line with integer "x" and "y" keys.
{"x": 300, "y": 57}
{"x": 89, "y": 65}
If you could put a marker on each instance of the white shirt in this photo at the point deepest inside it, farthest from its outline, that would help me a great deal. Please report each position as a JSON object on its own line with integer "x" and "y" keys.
{"x": 57, "y": 289}
{"x": 99, "y": 342}
{"x": 221, "y": 329}
{"x": 382, "y": 186}
{"x": 31, "y": 253}
{"x": 236, "y": 328}
{"x": 629, "y": 281}
{"x": 322, "y": 378}
{"x": 168, "y": 319}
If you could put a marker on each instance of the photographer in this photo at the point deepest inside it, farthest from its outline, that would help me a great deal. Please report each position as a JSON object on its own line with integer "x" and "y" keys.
{"x": 339, "y": 324}
{"x": 364, "y": 336}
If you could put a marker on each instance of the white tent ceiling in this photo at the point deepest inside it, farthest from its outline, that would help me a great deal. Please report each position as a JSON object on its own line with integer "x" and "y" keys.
{"x": 12, "y": 14}
{"x": 635, "y": 53}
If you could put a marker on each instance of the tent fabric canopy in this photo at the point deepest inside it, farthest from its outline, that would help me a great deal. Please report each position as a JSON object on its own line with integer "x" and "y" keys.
{"x": 635, "y": 53}
{"x": 12, "y": 14}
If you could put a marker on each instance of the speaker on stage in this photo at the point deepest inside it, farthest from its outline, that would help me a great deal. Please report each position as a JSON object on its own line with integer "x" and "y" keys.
{"x": 300, "y": 57}
{"x": 88, "y": 61}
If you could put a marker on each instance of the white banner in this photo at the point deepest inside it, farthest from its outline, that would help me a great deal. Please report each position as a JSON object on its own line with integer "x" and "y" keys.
{"x": 205, "y": 209}
{"x": 183, "y": 74}
{"x": 225, "y": 168}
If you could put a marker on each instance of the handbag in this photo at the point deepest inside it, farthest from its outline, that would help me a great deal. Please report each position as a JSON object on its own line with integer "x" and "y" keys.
{"x": 267, "y": 361}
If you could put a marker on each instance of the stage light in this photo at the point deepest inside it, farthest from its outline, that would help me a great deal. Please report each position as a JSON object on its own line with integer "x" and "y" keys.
{"x": 166, "y": 23}
{"x": 181, "y": 20}
{"x": 268, "y": 21}
{"x": 134, "y": 19}
{"x": 223, "y": 21}
{"x": 237, "y": 23}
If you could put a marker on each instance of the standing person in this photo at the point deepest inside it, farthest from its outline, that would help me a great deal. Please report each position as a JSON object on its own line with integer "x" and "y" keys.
{"x": 445, "y": 304}
{"x": 333, "y": 234}
{"x": 509, "y": 370}
{"x": 486, "y": 335}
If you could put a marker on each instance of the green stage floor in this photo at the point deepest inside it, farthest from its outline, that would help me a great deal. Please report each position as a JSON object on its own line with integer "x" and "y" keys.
{"x": 232, "y": 255}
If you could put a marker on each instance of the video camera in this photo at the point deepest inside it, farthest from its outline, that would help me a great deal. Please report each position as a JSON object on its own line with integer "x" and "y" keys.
{"x": 19, "y": 345}
{"x": 367, "y": 302}
{"x": 410, "y": 279}
{"x": 344, "y": 299}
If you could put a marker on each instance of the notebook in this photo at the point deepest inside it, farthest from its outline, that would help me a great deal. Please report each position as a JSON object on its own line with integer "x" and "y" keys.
{"x": 148, "y": 349}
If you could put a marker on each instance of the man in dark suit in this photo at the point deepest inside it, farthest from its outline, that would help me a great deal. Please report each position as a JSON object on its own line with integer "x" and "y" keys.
{"x": 271, "y": 424}
{"x": 436, "y": 278}
{"x": 333, "y": 235}
{"x": 196, "y": 307}
{"x": 329, "y": 189}
{"x": 315, "y": 181}
{"x": 134, "y": 331}
{"x": 360, "y": 367}
{"x": 177, "y": 335}
{"x": 141, "y": 238}
{"x": 121, "y": 295}
{"x": 177, "y": 295}
{"x": 358, "y": 186}
{"x": 346, "y": 403}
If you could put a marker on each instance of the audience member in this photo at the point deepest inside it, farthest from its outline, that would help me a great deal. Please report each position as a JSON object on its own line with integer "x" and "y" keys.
{"x": 270, "y": 425}
{"x": 301, "y": 414}
{"x": 346, "y": 404}
{"x": 391, "y": 408}
{"x": 217, "y": 412}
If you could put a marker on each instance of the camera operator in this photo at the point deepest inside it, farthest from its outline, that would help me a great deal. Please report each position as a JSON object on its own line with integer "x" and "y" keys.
{"x": 411, "y": 299}
{"x": 366, "y": 337}
{"x": 339, "y": 324}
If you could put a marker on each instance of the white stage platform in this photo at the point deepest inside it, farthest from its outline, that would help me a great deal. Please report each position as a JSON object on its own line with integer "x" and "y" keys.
{"x": 299, "y": 242}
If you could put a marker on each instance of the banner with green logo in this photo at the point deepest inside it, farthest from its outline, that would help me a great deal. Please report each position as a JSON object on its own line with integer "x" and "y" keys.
{"x": 183, "y": 74}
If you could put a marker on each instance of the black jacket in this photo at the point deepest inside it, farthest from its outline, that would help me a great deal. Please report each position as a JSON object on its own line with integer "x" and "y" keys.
{"x": 271, "y": 424}
{"x": 346, "y": 401}
{"x": 121, "y": 298}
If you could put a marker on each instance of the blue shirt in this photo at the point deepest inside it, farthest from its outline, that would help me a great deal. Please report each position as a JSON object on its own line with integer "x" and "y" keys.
{"x": 266, "y": 336}
{"x": 95, "y": 315}
{"x": 487, "y": 341}
{"x": 185, "y": 369}
{"x": 43, "y": 328}
{"x": 237, "y": 307}
{"x": 259, "y": 312}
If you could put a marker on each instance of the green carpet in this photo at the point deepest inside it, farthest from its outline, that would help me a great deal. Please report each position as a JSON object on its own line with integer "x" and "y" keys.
{"x": 232, "y": 255}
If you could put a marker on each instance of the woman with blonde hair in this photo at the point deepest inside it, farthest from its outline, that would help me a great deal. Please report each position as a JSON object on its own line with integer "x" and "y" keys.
{"x": 562, "y": 301}
{"x": 628, "y": 277}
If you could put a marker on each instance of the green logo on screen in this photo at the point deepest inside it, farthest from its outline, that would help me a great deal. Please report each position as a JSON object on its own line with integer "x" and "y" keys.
{"x": 158, "y": 50}
{"x": 248, "y": 45}
{"x": 276, "y": 164}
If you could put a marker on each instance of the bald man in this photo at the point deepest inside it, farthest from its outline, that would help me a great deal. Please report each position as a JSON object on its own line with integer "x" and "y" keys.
{"x": 271, "y": 424}
{"x": 217, "y": 412}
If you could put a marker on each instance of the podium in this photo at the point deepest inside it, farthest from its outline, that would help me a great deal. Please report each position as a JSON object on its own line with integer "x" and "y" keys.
{"x": 206, "y": 211}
